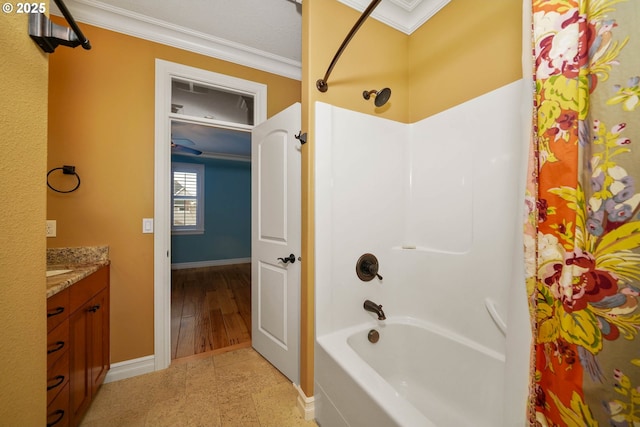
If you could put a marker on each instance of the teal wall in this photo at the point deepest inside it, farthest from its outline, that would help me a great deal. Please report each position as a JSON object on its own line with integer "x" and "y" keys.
{"x": 227, "y": 211}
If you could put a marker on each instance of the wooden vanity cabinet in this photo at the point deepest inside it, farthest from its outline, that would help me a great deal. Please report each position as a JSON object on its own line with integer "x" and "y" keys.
{"x": 88, "y": 350}
{"x": 58, "y": 359}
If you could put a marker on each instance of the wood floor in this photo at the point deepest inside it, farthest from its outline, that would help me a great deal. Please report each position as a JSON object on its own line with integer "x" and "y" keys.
{"x": 210, "y": 309}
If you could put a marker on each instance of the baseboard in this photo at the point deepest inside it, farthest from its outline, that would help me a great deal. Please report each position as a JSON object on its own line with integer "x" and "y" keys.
{"x": 306, "y": 405}
{"x": 130, "y": 368}
{"x": 212, "y": 263}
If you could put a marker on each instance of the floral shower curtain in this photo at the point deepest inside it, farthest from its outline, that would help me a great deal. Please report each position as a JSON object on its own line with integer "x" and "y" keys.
{"x": 582, "y": 234}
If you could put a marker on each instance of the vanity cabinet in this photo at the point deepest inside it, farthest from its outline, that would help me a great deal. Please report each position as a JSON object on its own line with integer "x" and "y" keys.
{"x": 84, "y": 359}
{"x": 58, "y": 359}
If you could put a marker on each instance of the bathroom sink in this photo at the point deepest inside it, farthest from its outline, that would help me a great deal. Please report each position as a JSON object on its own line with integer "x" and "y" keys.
{"x": 56, "y": 272}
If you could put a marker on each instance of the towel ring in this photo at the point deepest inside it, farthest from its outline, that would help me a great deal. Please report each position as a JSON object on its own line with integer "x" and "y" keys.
{"x": 67, "y": 170}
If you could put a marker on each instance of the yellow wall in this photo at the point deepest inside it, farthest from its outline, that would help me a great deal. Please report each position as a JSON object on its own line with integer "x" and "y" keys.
{"x": 101, "y": 120}
{"x": 462, "y": 52}
{"x": 465, "y": 50}
{"x": 23, "y": 144}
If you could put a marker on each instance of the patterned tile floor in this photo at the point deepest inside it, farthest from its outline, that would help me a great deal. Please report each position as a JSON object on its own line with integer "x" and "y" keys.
{"x": 235, "y": 389}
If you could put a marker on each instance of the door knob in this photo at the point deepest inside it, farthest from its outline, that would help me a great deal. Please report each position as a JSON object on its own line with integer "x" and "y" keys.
{"x": 291, "y": 258}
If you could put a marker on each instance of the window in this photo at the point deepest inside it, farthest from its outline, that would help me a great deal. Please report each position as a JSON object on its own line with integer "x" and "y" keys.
{"x": 187, "y": 198}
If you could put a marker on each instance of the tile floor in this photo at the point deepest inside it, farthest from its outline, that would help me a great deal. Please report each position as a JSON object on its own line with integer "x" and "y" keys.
{"x": 234, "y": 389}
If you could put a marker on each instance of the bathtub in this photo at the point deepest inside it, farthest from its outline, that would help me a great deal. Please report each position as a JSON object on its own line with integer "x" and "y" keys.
{"x": 417, "y": 374}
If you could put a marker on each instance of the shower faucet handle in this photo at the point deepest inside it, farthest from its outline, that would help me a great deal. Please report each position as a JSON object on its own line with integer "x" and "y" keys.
{"x": 367, "y": 267}
{"x": 370, "y": 268}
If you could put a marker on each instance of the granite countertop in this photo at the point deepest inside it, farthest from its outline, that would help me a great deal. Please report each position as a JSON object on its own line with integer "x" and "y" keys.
{"x": 81, "y": 262}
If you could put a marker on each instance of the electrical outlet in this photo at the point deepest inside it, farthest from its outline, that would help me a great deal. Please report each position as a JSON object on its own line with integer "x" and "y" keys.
{"x": 51, "y": 228}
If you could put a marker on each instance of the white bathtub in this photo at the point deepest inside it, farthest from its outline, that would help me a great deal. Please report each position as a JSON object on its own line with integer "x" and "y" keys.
{"x": 416, "y": 375}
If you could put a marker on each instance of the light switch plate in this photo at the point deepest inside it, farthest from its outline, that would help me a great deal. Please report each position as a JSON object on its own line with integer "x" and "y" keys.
{"x": 51, "y": 228}
{"x": 147, "y": 225}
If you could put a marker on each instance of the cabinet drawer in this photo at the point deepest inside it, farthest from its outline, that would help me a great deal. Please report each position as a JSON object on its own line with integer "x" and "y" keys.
{"x": 85, "y": 289}
{"x": 57, "y": 342}
{"x": 58, "y": 410}
{"x": 57, "y": 376}
{"x": 57, "y": 309}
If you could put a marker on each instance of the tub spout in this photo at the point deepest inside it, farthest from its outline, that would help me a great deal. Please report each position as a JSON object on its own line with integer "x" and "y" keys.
{"x": 374, "y": 308}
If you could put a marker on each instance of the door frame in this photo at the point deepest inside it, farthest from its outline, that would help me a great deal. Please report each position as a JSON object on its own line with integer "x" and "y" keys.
{"x": 165, "y": 71}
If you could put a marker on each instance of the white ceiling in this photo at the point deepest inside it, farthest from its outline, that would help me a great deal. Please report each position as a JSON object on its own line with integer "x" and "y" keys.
{"x": 262, "y": 34}
{"x": 272, "y": 26}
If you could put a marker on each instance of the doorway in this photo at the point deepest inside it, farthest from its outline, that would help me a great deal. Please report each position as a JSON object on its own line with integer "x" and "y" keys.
{"x": 167, "y": 111}
{"x": 210, "y": 238}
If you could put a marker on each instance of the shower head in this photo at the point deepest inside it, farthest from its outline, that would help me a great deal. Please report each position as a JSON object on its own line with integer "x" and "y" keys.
{"x": 382, "y": 96}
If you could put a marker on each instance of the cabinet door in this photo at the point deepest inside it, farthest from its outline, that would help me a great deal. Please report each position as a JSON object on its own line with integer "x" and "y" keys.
{"x": 99, "y": 343}
{"x": 89, "y": 341}
{"x": 79, "y": 366}
{"x": 58, "y": 409}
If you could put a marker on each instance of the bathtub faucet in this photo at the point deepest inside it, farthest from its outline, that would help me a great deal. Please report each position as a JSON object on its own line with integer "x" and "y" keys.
{"x": 374, "y": 308}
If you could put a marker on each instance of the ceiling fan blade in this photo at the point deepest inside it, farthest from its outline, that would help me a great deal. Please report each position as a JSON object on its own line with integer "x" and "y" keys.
{"x": 182, "y": 141}
{"x": 176, "y": 148}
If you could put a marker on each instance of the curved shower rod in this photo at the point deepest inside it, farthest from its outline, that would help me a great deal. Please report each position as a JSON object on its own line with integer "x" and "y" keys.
{"x": 82, "y": 40}
{"x": 322, "y": 84}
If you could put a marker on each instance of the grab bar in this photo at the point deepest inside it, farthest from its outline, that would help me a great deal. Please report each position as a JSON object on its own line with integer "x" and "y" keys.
{"x": 495, "y": 316}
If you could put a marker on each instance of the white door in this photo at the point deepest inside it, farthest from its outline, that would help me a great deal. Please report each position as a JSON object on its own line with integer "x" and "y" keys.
{"x": 275, "y": 241}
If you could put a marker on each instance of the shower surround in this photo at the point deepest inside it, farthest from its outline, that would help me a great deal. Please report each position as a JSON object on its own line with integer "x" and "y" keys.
{"x": 438, "y": 203}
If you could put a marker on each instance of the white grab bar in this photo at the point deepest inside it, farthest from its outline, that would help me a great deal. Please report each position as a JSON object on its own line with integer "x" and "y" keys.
{"x": 497, "y": 319}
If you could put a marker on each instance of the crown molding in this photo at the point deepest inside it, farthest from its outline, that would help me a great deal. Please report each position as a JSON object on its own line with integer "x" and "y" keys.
{"x": 137, "y": 25}
{"x": 403, "y": 15}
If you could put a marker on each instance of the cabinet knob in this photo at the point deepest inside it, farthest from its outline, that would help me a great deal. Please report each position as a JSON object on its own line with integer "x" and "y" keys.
{"x": 94, "y": 308}
{"x": 60, "y": 414}
{"x": 58, "y": 310}
{"x": 59, "y": 380}
{"x": 58, "y": 347}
